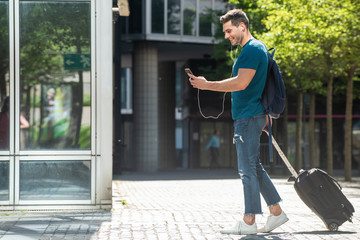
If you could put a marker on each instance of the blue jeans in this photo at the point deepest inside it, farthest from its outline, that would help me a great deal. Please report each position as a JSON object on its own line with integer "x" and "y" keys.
{"x": 254, "y": 177}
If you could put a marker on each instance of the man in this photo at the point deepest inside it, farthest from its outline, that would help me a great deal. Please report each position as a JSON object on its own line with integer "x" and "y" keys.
{"x": 246, "y": 87}
{"x": 214, "y": 145}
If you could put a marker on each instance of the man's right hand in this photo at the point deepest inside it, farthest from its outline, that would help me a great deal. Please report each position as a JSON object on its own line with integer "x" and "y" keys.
{"x": 198, "y": 82}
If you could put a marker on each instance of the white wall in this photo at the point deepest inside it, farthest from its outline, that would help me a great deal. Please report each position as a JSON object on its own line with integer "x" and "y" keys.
{"x": 104, "y": 100}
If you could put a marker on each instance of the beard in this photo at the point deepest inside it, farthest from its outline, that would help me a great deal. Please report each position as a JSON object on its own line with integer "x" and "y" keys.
{"x": 236, "y": 41}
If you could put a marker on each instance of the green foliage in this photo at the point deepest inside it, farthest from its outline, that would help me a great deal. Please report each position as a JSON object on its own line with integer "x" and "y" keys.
{"x": 60, "y": 128}
{"x": 314, "y": 39}
{"x": 85, "y": 137}
{"x": 87, "y": 100}
{"x": 47, "y": 30}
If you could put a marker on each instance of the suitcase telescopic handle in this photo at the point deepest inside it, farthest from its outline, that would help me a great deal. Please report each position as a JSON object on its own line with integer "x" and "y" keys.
{"x": 283, "y": 157}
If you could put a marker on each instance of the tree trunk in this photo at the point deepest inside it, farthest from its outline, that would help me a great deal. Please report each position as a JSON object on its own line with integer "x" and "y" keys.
{"x": 72, "y": 137}
{"x": 348, "y": 124}
{"x": 80, "y": 107}
{"x": 75, "y": 114}
{"x": 313, "y": 160}
{"x": 329, "y": 127}
{"x": 299, "y": 123}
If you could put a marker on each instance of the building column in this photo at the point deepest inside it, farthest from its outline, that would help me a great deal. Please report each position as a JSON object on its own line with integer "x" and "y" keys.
{"x": 146, "y": 122}
{"x": 166, "y": 103}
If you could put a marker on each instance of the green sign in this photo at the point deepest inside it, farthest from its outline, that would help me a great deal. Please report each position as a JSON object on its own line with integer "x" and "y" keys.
{"x": 77, "y": 61}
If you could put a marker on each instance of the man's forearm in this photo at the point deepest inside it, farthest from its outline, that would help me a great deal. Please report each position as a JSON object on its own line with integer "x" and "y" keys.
{"x": 238, "y": 83}
{"x": 227, "y": 85}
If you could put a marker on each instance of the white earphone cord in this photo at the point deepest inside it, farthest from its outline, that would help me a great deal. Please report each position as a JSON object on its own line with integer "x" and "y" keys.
{"x": 223, "y": 102}
{"x": 213, "y": 117}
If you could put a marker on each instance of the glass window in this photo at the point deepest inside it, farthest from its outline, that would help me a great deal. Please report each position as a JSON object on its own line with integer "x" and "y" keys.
{"x": 135, "y": 19}
{"x": 157, "y": 16}
{"x": 55, "y": 180}
{"x": 55, "y": 75}
{"x": 205, "y": 18}
{"x": 4, "y": 181}
{"x": 220, "y": 5}
{"x": 126, "y": 91}
{"x": 173, "y": 13}
{"x": 4, "y": 75}
{"x": 189, "y": 16}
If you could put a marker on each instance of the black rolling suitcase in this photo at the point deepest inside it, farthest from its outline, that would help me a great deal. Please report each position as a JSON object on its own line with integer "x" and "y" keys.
{"x": 321, "y": 193}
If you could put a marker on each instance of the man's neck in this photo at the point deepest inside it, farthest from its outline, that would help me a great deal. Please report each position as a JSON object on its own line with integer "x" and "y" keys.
{"x": 246, "y": 39}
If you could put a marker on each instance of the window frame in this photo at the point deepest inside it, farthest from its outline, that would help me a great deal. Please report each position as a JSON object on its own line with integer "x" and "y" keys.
{"x": 175, "y": 37}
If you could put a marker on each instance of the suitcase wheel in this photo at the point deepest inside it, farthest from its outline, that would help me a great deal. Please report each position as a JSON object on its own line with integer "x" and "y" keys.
{"x": 333, "y": 226}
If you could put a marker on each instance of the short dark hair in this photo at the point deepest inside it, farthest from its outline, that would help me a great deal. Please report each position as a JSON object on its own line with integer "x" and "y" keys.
{"x": 236, "y": 16}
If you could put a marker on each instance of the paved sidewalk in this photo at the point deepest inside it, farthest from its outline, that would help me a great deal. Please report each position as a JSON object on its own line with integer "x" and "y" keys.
{"x": 182, "y": 204}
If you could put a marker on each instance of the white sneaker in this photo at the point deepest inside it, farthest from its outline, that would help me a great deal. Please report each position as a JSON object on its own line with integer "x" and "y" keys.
{"x": 274, "y": 222}
{"x": 241, "y": 228}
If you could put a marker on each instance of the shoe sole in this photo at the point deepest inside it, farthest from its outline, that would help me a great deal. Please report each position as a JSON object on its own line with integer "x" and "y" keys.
{"x": 276, "y": 226}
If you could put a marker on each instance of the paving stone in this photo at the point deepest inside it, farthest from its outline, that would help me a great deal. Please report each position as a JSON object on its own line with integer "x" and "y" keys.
{"x": 177, "y": 205}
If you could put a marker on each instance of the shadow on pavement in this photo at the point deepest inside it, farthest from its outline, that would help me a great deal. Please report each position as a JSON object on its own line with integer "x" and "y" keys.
{"x": 292, "y": 235}
{"x": 272, "y": 236}
{"x": 325, "y": 232}
{"x": 183, "y": 174}
{"x": 179, "y": 174}
{"x": 47, "y": 225}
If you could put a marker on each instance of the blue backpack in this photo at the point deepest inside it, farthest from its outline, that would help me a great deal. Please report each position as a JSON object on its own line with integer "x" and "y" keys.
{"x": 273, "y": 96}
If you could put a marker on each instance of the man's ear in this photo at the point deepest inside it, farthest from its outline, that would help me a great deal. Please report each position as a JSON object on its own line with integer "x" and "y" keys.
{"x": 243, "y": 26}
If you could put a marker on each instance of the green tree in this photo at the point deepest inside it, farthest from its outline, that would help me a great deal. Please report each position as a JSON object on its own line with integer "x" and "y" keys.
{"x": 317, "y": 42}
{"x": 289, "y": 30}
{"x": 336, "y": 33}
{"x": 327, "y": 18}
{"x": 350, "y": 47}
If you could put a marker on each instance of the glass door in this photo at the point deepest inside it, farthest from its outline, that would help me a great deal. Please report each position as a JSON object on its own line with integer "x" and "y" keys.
{"x": 46, "y": 94}
{"x": 5, "y": 110}
{"x": 55, "y": 75}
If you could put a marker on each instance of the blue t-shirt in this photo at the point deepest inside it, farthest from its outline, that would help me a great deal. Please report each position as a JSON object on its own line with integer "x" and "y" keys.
{"x": 214, "y": 142}
{"x": 247, "y": 103}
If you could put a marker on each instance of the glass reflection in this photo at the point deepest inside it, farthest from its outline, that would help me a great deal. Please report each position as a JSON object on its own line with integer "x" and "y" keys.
{"x": 55, "y": 74}
{"x": 4, "y": 124}
{"x": 205, "y": 18}
{"x": 220, "y": 5}
{"x": 55, "y": 180}
{"x": 4, "y": 75}
{"x": 173, "y": 13}
{"x": 157, "y": 16}
{"x": 4, "y": 181}
{"x": 189, "y": 15}
{"x": 126, "y": 90}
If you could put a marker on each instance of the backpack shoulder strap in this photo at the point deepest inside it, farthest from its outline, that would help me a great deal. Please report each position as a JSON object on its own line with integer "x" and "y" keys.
{"x": 271, "y": 155}
{"x": 271, "y": 53}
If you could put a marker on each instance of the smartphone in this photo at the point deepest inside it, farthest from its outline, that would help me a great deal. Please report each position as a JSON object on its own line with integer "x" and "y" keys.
{"x": 187, "y": 70}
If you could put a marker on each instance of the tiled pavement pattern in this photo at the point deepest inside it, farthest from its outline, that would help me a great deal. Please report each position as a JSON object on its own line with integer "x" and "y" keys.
{"x": 182, "y": 204}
